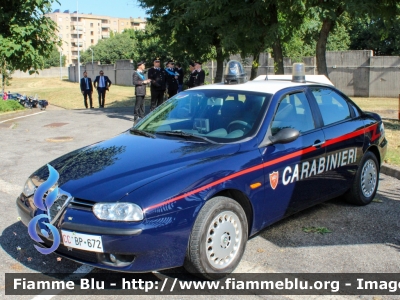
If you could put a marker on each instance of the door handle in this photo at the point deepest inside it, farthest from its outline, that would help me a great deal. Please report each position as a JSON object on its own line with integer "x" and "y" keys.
{"x": 318, "y": 143}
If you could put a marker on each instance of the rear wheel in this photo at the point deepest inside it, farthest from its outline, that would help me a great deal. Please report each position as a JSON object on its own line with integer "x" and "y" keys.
{"x": 366, "y": 182}
{"x": 218, "y": 239}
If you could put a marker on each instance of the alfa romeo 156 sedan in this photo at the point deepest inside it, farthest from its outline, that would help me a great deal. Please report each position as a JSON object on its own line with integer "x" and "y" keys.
{"x": 206, "y": 170}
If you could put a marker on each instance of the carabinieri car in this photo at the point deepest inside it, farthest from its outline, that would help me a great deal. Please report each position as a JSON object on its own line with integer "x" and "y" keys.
{"x": 212, "y": 166}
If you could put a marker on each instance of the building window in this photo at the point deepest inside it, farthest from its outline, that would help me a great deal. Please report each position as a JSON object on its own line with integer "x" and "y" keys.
{"x": 92, "y": 41}
{"x": 67, "y": 27}
{"x": 91, "y": 33}
{"x": 91, "y": 25}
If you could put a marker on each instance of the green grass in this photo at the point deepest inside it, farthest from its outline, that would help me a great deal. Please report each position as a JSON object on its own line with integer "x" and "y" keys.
{"x": 67, "y": 94}
{"x": 10, "y": 105}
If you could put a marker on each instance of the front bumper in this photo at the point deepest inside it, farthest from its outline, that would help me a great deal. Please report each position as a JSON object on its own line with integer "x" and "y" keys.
{"x": 152, "y": 244}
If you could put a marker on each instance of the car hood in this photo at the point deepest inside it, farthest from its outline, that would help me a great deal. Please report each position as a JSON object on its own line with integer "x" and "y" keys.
{"x": 109, "y": 170}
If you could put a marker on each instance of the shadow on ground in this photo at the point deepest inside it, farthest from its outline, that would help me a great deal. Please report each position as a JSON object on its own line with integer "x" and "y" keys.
{"x": 376, "y": 223}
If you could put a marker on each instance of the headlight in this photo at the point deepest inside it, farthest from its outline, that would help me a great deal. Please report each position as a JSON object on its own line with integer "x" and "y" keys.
{"x": 118, "y": 211}
{"x": 29, "y": 188}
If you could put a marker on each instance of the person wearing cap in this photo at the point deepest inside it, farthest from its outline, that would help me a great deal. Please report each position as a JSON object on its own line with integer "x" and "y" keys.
{"x": 180, "y": 77}
{"x": 172, "y": 79}
{"x": 192, "y": 75}
{"x": 157, "y": 75}
{"x": 200, "y": 76}
{"x": 140, "y": 83}
{"x": 102, "y": 84}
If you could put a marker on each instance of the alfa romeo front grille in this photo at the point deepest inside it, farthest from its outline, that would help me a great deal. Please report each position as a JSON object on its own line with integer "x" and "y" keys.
{"x": 58, "y": 206}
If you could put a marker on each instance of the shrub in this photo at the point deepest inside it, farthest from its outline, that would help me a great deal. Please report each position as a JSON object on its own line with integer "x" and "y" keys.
{"x": 10, "y": 105}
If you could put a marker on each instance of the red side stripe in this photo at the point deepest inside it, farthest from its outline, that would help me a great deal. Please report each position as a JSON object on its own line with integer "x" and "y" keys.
{"x": 269, "y": 163}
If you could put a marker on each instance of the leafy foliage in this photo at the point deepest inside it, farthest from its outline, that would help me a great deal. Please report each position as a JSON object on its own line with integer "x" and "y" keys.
{"x": 54, "y": 59}
{"x": 107, "y": 51}
{"x": 10, "y": 105}
{"x": 378, "y": 34}
{"x": 27, "y": 36}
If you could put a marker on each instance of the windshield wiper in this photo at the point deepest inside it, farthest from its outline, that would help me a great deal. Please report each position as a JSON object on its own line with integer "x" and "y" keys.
{"x": 141, "y": 132}
{"x": 186, "y": 135}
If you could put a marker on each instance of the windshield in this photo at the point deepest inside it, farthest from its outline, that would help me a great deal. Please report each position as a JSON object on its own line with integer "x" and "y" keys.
{"x": 219, "y": 115}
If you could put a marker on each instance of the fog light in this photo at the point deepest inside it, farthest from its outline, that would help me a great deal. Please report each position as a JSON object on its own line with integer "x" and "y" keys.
{"x": 113, "y": 258}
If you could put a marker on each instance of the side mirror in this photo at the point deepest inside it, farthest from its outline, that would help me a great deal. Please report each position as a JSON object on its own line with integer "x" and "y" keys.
{"x": 285, "y": 135}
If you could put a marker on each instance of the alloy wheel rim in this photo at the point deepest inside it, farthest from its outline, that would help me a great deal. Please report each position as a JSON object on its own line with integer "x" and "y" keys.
{"x": 368, "y": 178}
{"x": 224, "y": 237}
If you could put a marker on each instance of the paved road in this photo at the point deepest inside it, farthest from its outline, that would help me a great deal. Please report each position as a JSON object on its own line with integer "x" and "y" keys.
{"x": 362, "y": 239}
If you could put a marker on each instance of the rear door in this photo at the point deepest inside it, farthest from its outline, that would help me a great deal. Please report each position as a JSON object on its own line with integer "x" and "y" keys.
{"x": 344, "y": 133}
{"x": 293, "y": 173}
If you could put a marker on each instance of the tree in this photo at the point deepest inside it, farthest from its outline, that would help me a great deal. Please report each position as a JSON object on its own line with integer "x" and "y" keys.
{"x": 54, "y": 59}
{"x": 107, "y": 51}
{"x": 330, "y": 11}
{"x": 189, "y": 30}
{"x": 26, "y": 34}
{"x": 378, "y": 34}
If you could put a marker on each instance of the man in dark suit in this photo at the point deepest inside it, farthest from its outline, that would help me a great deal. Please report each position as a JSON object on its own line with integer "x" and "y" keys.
{"x": 102, "y": 83}
{"x": 200, "y": 74}
{"x": 87, "y": 89}
{"x": 140, "y": 83}
{"x": 192, "y": 75}
{"x": 172, "y": 78}
{"x": 158, "y": 84}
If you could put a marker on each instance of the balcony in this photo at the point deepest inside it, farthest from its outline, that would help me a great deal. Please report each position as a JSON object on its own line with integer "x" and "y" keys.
{"x": 105, "y": 36}
{"x": 105, "y": 25}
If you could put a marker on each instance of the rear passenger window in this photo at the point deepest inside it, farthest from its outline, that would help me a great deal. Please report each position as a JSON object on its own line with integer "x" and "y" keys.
{"x": 293, "y": 112}
{"x": 332, "y": 106}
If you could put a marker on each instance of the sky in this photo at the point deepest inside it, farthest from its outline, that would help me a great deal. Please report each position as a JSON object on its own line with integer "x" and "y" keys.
{"x": 112, "y": 8}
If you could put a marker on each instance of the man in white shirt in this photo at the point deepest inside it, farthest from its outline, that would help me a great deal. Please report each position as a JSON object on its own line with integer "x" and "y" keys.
{"x": 102, "y": 83}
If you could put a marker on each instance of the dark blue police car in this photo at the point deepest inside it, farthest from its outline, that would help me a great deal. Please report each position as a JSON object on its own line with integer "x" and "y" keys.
{"x": 212, "y": 166}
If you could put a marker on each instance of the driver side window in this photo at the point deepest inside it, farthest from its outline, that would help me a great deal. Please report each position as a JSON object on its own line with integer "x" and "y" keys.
{"x": 293, "y": 112}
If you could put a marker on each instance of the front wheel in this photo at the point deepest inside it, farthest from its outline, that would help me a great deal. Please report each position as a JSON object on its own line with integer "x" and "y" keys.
{"x": 366, "y": 182}
{"x": 218, "y": 239}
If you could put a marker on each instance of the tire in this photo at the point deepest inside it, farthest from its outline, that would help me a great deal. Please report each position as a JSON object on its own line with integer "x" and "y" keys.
{"x": 218, "y": 239}
{"x": 366, "y": 181}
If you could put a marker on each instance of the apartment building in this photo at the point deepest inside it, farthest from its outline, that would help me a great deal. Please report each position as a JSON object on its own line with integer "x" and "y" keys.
{"x": 81, "y": 31}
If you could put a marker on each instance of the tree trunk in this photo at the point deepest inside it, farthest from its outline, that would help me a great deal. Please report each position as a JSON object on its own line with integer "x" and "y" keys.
{"x": 220, "y": 65}
{"x": 277, "y": 47}
{"x": 254, "y": 65}
{"x": 326, "y": 28}
{"x": 278, "y": 56}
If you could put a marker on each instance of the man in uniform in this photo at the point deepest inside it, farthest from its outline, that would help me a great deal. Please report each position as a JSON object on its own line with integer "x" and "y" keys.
{"x": 158, "y": 84}
{"x": 140, "y": 83}
{"x": 87, "y": 89}
{"x": 200, "y": 76}
{"x": 172, "y": 79}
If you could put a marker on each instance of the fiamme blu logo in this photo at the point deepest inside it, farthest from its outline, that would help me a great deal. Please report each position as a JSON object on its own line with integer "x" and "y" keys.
{"x": 44, "y": 204}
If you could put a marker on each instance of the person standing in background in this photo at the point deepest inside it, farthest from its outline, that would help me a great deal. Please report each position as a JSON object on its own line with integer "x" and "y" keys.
{"x": 158, "y": 84}
{"x": 192, "y": 75}
{"x": 172, "y": 79}
{"x": 140, "y": 83}
{"x": 180, "y": 77}
{"x": 200, "y": 76}
{"x": 87, "y": 89}
{"x": 102, "y": 83}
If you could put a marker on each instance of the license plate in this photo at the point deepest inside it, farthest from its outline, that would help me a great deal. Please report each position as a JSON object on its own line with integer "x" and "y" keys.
{"x": 82, "y": 241}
